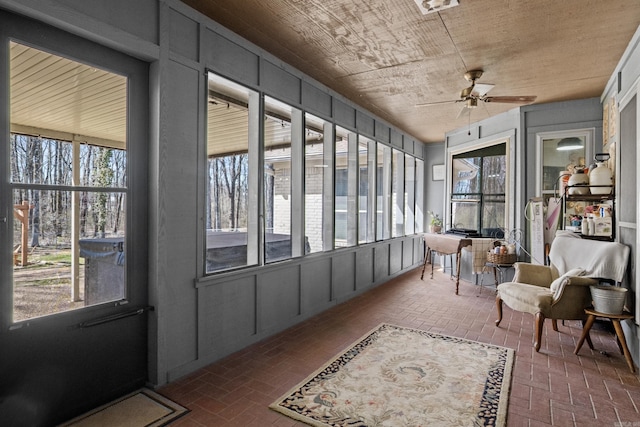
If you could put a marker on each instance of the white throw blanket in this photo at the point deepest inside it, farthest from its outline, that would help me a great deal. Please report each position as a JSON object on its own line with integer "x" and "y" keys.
{"x": 604, "y": 260}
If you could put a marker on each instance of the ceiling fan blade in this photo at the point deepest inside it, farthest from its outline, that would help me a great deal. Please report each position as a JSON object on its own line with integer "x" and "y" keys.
{"x": 510, "y": 99}
{"x": 464, "y": 112}
{"x": 481, "y": 89}
{"x": 427, "y": 104}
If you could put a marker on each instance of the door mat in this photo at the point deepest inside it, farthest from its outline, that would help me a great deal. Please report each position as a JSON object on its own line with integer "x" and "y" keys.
{"x": 140, "y": 408}
{"x": 396, "y": 376}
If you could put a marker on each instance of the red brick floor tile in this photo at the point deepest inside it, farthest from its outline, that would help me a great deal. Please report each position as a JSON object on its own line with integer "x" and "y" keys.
{"x": 516, "y": 420}
{"x": 561, "y": 417}
{"x": 537, "y": 423}
{"x": 550, "y": 387}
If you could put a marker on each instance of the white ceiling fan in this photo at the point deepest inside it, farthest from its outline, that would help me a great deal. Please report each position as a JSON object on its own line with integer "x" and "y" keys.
{"x": 478, "y": 92}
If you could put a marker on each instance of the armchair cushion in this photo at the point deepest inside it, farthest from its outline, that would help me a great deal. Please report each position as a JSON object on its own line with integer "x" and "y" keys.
{"x": 526, "y": 298}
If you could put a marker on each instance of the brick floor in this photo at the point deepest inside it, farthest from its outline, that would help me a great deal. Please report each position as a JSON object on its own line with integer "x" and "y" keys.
{"x": 551, "y": 388}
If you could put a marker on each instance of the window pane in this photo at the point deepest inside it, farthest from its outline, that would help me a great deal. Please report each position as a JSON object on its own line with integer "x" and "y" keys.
{"x": 64, "y": 272}
{"x": 102, "y": 167}
{"x": 466, "y": 175}
{"x": 397, "y": 193}
{"x": 277, "y": 179}
{"x": 69, "y": 126}
{"x": 493, "y": 185}
{"x": 409, "y": 193}
{"x": 493, "y": 174}
{"x": 465, "y": 214}
{"x": 383, "y": 192}
{"x": 366, "y": 214}
{"x": 345, "y": 197}
{"x": 315, "y": 168}
{"x": 493, "y": 216}
{"x": 227, "y": 196}
{"x": 419, "y": 196}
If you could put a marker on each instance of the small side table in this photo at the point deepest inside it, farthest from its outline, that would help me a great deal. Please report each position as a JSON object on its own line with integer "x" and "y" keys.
{"x": 615, "y": 319}
{"x": 498, "y": 271}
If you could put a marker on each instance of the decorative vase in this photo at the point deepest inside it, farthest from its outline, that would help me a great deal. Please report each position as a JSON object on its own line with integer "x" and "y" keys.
{"x": 578, "y": 183}
{"x": 435, "y": 229}
{"x": 601, "y": 175}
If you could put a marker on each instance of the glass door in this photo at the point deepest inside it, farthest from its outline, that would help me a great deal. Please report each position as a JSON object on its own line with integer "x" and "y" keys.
{"x": 73, "y": 231}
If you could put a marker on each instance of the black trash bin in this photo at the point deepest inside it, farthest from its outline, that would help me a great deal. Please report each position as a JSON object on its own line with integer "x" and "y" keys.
{"x": 103, "y": 269}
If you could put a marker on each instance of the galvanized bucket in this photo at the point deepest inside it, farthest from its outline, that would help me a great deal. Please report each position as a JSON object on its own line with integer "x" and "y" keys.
{"x": 608, "y": 299}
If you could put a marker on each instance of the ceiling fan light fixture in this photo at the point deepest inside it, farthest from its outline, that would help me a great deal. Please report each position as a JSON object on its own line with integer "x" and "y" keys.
{"x": 431, "y": 6}
{"x": 570, "y": 143}
{"x": 471, "y": 103}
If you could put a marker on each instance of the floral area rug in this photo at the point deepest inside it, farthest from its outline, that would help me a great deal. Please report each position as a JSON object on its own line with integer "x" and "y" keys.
{"x": 396, "y": 376}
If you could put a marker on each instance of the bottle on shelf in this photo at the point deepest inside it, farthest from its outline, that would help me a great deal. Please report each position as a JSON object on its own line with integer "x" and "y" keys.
{"x": 601, "y": 177}
{"x": 592, "y": 226}
{"x": 579, "y": 183}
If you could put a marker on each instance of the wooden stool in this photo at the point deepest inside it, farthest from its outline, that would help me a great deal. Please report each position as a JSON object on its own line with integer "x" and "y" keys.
{"x": 615, "y": 319}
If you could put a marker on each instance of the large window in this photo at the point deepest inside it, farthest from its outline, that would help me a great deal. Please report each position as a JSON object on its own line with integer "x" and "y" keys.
{"x": 420, "y": 196}
{"x": 278, "y": 196}
{"x": 383, "y": 192}
{"x": 478, "y": 189}
{"x": 366, "y": 187}
{"x": 346, "y": 184}
{"x": 315, "y": 166}
{"x": 230, "y": 179}
{"x": 397, "y": 193}
{"x": 409, "y": 194}
{"x": 68, "y": 166}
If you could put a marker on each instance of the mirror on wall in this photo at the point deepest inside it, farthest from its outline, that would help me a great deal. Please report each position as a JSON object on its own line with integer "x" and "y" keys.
{"x": 560, "y": 154}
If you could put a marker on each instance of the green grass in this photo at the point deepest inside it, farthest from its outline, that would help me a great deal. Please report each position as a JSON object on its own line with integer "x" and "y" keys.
{"x": 44, "y": 257}
{"x": 63, "y": 257}
{"x": 51, "y": 282}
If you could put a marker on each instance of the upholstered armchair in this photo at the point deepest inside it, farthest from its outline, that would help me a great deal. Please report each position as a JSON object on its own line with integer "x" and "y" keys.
{"x": 561, "y": 289}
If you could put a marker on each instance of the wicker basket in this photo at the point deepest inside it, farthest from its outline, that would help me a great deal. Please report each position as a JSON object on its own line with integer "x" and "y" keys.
{"x": 501, "y": 258}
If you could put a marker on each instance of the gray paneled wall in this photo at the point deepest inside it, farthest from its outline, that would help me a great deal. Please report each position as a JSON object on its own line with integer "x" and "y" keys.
{"x": 226, "y": 312}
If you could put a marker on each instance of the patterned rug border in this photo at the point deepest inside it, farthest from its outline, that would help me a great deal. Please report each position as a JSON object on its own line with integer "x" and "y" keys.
{"x": 501, "y": 416}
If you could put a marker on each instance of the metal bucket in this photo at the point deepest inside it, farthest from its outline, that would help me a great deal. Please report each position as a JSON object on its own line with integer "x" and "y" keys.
{"x": 608, "y": 299}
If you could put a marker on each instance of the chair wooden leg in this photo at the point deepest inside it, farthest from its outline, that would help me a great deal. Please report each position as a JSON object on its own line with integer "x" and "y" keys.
{"x": 554, "y": 324}
{"x": 499, "y": 307}
{"x": 539, "y": 325}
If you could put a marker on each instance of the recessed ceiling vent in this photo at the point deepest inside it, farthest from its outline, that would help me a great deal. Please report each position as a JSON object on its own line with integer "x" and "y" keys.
{"x": 430, "y": 6}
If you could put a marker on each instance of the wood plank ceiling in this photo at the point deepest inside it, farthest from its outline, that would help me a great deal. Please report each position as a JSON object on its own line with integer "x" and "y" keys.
{"x": 387, "y": 57}
{"x": 56, "y": 97}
